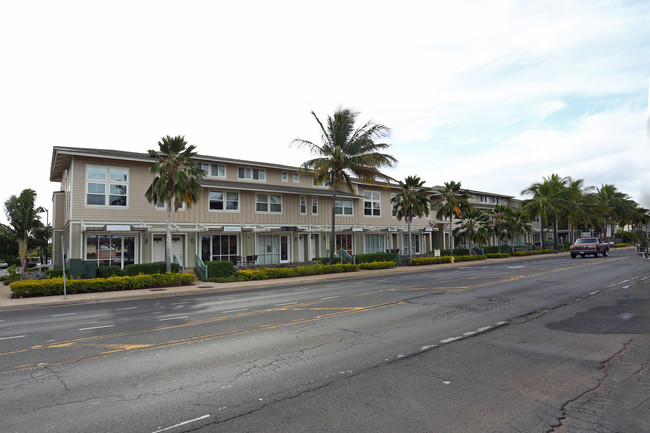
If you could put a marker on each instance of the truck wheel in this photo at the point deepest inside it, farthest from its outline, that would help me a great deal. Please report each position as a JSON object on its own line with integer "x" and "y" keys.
{"x": 573, "y": 256}
{"x": 604, "y": 253}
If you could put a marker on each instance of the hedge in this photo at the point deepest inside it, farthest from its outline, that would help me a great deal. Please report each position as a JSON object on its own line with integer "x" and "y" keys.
{"x": 497, "y": 255}
{"x": 418, "y": 261}
{"x": 272, "y": 273}
{"x": 533, "y": 253}
{"x": 220, "y": 269}
{"x": 54, "y": 286}
{"x": 150, "y": 268}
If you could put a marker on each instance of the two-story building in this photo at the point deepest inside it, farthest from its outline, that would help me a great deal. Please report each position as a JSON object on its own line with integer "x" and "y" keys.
{"x": 246, "y": 209}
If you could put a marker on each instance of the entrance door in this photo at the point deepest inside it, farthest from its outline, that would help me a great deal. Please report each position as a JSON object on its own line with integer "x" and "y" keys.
{"x": 284, "y": 249}
{"x": 159, "y": 249}
{"x": 301, "y": 248}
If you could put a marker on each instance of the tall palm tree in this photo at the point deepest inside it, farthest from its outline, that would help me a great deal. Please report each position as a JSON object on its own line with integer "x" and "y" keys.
{"x": 453, "y": 202}
{"x": 499, "y": 216}
{"x": 24, "y": 221}
{"x": 578, "y": 207}
{"x": 412, "y": 201}
{"x": 615, "y": 204}
{"x": 346, "y": 150}
{"x": 176, "y": 180}
{"x": 548, "y": 199}
{"x": 474, "y": 227}
{"x": 518, "y": 223}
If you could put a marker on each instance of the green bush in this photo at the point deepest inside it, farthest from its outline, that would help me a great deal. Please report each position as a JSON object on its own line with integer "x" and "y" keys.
{"x": 220, "y": 269}
{"x": 457, "y": 252}
{"x": 419, "y": 261}
{"x": 149, "y": 268}
{"x": 533, "y": 253}
{"x": 375, "y": 257}
{"x": 272, "y": 273}
{"x": 57, "y": 273}
{"x": 497, "y": 255}
{"x": 109, "y": 271}
{"x": 495, "y": 249}
{"x": 376, "y": 265}
{"x": 54, "y": 286}
{"x": 620, "y": 245}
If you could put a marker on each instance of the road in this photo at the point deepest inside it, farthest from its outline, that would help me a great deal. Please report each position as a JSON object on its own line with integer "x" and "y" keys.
{"x": 384, "y": 353}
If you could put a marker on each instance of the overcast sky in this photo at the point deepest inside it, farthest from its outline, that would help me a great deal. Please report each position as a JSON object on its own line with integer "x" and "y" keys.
{"x": 494, "y": 94}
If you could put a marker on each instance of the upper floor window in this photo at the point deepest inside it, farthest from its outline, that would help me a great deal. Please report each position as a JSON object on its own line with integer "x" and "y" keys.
{"x": 268, "y": 203}
{"x": 343, "y": 207}
{"x": 251, "y": 173}
{"x": 296, "y": 178}
{"x": 106, "y": 186}
{"x": 303, "y": 205}
{"x": 285, "y": 176}
{"x": 314, "y": 205}
{"x": 496, "y": 199}
{"x": 371, "y": 203}
{"x": 394, "y": 209}
{"x": 215, "y": 170}
{"x": 161, "y": 205}
{"x": 484, "y": 199}
{"x": 220, "y": 200}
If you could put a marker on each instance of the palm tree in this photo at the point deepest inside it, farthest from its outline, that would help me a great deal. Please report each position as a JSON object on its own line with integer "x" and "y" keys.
{"x": 499, "y": 216}
{"x": 453, "y": 201}
{"x": 578, "y": 207}
{"x": 176, "y": 180}
{"x": 412, "y": 201}
{"x": 615, "y": 204}
{"x": 345, "y": 151}
{"x": 518, "y": 223}
{"x": 23, "y": 221}
{"x": 474, "y": 227}
{"x": 549, "y": 199}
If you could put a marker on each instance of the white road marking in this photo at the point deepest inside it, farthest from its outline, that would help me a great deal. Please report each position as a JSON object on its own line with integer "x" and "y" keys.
{"x": 285, "y": 304}
{"x": 126, "y": 308}
{"x": 223, "y": 298}
{"x": 183, "y": 423}
{"x": 96, "y": 327}
{"x": 329, "y": 297}
{"x": 449, "y": 340}
{"x": 180, "y": 303}
{"x": 63, "y": 314}
{"x": 515, "y": 267}
{"x": 483, "y": 329}
{"x": 594, "y": 292}
{"x": 173, "y": 318}
{"x": 234, "y": 311}
{"x": 301, "y": 290}
{"x": 264, "y": 293}
{"x": 15, "y": 336}
{"x": 626, "y": 287}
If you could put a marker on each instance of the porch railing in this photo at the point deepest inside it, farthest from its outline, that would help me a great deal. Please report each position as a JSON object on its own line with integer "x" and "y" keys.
{"x": 179, "y": 264}
{"x": 480, "y": 251}
{"x": 347, "y": 257}
{"x": 201, "y": 268}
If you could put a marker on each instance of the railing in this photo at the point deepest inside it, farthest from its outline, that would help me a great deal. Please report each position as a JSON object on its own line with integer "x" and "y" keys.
{"x": 480, "y": 251}
{"x": 179, "y": 264}
{"x": 399, "y": 260}
{"x": 201, "y": 268}
{"x": 523, "y": 245}
{"x": 346, "y": 257}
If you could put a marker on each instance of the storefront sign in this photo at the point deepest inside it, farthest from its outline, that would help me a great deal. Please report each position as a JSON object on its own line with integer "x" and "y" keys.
{"x": 118, "y": 228}
{"x": 290, "y": 229}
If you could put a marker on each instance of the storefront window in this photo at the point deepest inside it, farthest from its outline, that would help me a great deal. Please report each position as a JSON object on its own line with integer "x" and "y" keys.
{"x": 111, "y": 249}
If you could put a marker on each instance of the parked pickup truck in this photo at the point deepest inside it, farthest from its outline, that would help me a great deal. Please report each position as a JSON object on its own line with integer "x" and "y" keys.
{"x": 584, "y": 246}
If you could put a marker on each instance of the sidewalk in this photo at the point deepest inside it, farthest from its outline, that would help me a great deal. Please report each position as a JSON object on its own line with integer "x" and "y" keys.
{"x": 200, "y": 287}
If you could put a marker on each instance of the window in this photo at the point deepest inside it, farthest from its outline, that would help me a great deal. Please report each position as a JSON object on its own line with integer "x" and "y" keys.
{"x": 325, "y": 183}
{"x": 285, "y": 176}
{"x": 251, "y": 174}
{"x": 218, "y": 248}
{"x": 212, "y": 169}
{"x": 496, "y": 199}
{"x": 161, "y": 205}
{"x": 375, "y": 243}
{"x": 296, "y": 178}
{"x": 415, "y": 243}
{"x": 111, "y": 249}
{"x": 314, "y": 205}
{"x": 371, "y": 203}
{"x": 268, "y": 203}
{"x": 220, "y": 200}
{"x": 303, "y": 205}
{"x": 272, "y": 249}
{"x": 484, "y": 199}
{"x": 343, "y": 207}
{"x": 394, "y": 209}
{"x": 106, "y": 186}
{"x": 344, "y": 241}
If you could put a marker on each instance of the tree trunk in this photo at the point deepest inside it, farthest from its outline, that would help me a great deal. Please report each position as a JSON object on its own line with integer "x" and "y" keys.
{"x": 408, "y": 243}
{"x": 541, "y": 220}
{"x": 333, "y": 235}
{"x": 168, "y": 238}
{"x": 451, "y": 235}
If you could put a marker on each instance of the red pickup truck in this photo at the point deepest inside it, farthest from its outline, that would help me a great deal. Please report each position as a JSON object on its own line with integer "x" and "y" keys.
{"x": 584, "y": 246}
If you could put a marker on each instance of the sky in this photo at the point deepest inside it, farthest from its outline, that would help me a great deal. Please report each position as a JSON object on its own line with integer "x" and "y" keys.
{"x": 496, "y": 95}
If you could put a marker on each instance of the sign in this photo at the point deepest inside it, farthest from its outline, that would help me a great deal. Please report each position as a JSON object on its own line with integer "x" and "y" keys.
{"x": 357, "y": 229}
{"x": 436, "y": 253}
{"x": 232, "y": 229}
{"x": 118, "y": 228}
{"x": 290, "y": 229}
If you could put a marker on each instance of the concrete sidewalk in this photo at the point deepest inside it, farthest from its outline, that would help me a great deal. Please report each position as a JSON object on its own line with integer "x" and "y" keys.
{"x": 201, "y": 287}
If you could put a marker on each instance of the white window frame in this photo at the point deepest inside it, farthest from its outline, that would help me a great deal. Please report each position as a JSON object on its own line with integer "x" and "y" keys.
{"x": 265, "y": 203}
{"x": 107, "y": 182}
{"x": 161, "y": 206}
{"x": 372, "y": 197}
{"x": 251, "y": 174}
{"x": 225, "y": 200}
{"x": 284, "y": 176}
{"x": 303, "y": 205}
{"x": 215, "y": 168}
{"x": 392, "y": 206}
{"x": 296, "y": 178}
{"x": 485, "y": 199}
{"x": 377, "y": 237}
{"x": 314, "y": 205}
{"x": 341, "y": 204}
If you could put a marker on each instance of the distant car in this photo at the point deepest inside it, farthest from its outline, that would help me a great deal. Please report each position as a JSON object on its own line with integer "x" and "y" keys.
{"x": 589, "y": 246}
{"x": 4, "y": 265}
{"x": 31, "y": 264}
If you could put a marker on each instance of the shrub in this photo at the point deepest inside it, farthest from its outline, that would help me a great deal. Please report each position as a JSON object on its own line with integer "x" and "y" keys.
{"x": 418, "y": 261}
{"x": 495, "y": 249}
{"x": 375, "y": 257}
{"x": 376, "y": 265}
{"x": 533, "y": 253}
{"x": 220, "y": 269}
{"x": 109, "y": 271}
{"x": 497, "y": 255}
{"x": 457, "y": 252}
{"x": 57, "y": 273}
{"x": 149, "y": 268}
{"x": 54, "y": 286}
{"x": 272, "y": 273}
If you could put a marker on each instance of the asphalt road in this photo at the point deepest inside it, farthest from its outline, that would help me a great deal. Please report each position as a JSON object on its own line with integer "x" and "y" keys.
{"x": 510, "y": 346}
